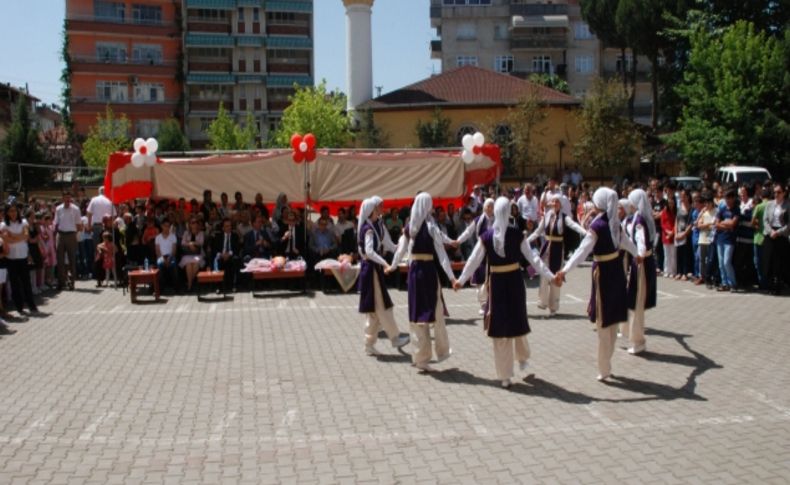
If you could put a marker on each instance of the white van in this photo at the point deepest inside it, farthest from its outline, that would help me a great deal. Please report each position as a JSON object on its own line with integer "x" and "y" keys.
{"x": 742, "y": 175}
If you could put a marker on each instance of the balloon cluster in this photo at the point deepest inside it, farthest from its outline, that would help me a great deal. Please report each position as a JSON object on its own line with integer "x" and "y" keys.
{"x": 144, "y": 152}
{"x": 304, "y": 147}
{"x": 474, "y": 146}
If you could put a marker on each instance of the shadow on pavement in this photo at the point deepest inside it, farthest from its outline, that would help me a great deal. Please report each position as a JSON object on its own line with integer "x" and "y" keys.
{"x": 462, "y": 321}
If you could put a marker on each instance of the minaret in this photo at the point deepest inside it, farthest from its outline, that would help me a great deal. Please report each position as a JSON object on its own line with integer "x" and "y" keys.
{"x": 359, "y": 52}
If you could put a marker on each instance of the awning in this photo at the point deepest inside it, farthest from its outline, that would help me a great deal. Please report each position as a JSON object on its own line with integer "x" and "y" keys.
{"x": 530, "y": 21}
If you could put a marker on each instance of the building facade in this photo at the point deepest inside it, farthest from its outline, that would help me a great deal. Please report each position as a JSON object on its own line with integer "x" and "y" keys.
{"x": 124, "y": 54}
{"x": 522, "y": 37}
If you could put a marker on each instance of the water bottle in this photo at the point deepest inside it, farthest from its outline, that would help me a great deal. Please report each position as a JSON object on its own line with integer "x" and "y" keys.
{"x": 216, "y": 264}
{"x": 145, "y": 264}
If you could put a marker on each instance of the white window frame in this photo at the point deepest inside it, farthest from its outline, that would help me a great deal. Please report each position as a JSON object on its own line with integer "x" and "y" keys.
{"x": 581, "y": 31}
{"x": 539, "y": 64}
{"x": 461, "y": 61}
{"x": 148, "y": 128}
{"x": 149, "y": 93}
{"x": 116, "y": 50}
{"x": 583, "y": 64}
{"x": 147, "y": 54}
{"x": 504, "y": 64}
{"x": 112, "y": 91}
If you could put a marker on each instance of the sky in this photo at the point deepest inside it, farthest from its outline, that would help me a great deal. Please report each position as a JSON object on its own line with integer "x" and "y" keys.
{"x": 30, "y": 41}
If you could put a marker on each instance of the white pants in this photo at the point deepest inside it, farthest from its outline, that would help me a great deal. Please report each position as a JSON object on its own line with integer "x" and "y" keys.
{"x": 636, "y": 326}
{"x": 381, "y": 318}
{"x": 607, "y": 337}
{"x": 421, "y": 335}
{"x": 482, "y": 294}
{"x": 670, "y": 260}
{"x": 548, "y": 294}
{"x": 504, "y": 357}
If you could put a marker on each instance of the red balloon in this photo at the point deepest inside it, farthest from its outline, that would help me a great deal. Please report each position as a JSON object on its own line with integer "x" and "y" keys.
{"x": 310, "y": 140}
{"x": 296, "y": 139}
{"x": 298, "y": 157}
{"x": 143, "y": 149}
{"x": 476, "y": 150}
{"x": 310, "y": 155}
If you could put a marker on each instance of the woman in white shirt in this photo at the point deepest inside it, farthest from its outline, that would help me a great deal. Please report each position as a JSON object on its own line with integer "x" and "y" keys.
{"x": 14, "y": 231}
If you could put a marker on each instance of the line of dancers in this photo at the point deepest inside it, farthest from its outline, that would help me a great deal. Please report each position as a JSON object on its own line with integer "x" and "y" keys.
{"x": 618, "y": 284}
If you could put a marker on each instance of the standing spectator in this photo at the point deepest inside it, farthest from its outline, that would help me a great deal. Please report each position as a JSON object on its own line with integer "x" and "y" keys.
{"x": 550, "y": 190}
{"x": 658, "y": 202}
{"x": 528, "y": 207}
{"x": 758, "y": 223}
{"x": 705, "y": 223}
{"x": 744, "y": 242}
{"x": 166, "y": 244}
{"x": 35, "y": 259}
{"x": 668, "y": 215}
{"x": 192, "y": 245}
{"x": 726, "y": 223}
{"x": 84, "y": 249}
{"x": 4, "y": 330}
{"x": 683, "y": 250}
{"x": 105, "y": 259}
{"x": 695, "y": 212}
{"x": 776, "y": 222}
{"x": 576, "y": 177}
{"x": 98, "y": 207}
{"x": 48, "y": 251}
{"x": 68, "y": 220}
{"x": 14, "y": 231}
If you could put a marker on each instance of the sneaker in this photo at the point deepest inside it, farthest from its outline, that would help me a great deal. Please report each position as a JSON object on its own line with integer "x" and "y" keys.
{"x": 523, "y": 365}
{"x": 602, "y": 377}
{"x": 481, "y": 312}
{"x": 636, "y": 349}
{"x": 424, "y": 367}
{"x": 401, "y": 341}
{"x": 444, "y": 357}
{"x": 371, "y": 350}
{"x": 506, "y": 384}
{"x": 541, "y": 306}
{"x": 552, "y": 313}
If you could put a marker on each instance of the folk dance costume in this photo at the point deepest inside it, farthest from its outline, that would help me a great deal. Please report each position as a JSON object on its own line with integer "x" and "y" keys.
{"x": 642, "y": 283}
{"x": 625, "y": 212}
{"x": 506, "y": 316}
{"x": 553, "y": 250}
{"x": 426, "y": 305}
{"x": 482, "y": 223}
{"x": 374, "y": 300}
{"x": 608, "y": 304}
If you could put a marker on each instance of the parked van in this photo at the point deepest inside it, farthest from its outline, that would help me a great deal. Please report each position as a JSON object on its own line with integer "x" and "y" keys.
{"x": 742, "y": 175}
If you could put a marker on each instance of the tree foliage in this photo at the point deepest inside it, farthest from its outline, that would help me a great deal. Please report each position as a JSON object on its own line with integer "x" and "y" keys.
{"x": 317, "y": 111}
{"x": 108, "y": 135}
{"x": 225, "y": 134}
{"x": 550, "y": 81}
{"x": 736, "y": 98}
{"x": 434, "y": 133}
{"x": 65, "y": 79}
{"x": 608, "y": 140}
{"x": 527, "y": 129}
{"x": 21, "y": 145}
{"x": 370, "y": 135}
{"x": 171, "y": 138}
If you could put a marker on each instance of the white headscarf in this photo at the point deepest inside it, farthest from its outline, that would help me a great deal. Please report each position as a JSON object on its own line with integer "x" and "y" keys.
{"x": 420, "y": 212}
{"x": 364, "y": 213}
{"x": 488, "y": 202}
{"x": 641, "y": 203}
{"x": 566, "y": 205}
{"x": 627, "y": 206}
{"x": 501, "y": 219}
{"x": 606, "y": 199}
{"x": 551, "y": 213}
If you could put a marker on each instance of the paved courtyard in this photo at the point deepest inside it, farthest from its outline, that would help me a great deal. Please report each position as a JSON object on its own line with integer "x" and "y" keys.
{"x": 278, "y": 390}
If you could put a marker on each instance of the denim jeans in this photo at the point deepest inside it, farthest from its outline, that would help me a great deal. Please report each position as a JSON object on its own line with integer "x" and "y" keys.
{"x": 726, "y": 269}
{"x": 696, "y": 270}
{"x": 758, "y": 265}
{"x": 85, "y": 253}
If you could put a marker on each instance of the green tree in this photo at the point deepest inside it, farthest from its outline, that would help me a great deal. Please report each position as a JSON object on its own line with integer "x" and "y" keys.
{"x": 108, "y": 135}
{"x": 434, "y": 133}
{"x": 22, "y": 145}
{"x": 736, "y": 96}
{"x": 527, "y": 129}
{"x": 248, "y": 133}
{"x": 600, "y": 15}
{"x": 171, "y": 138}
{"x": 314, "y": 110}
{"x": 770, "y": 16}
{"x": 370, "y": 135}
{"x": 550, "y": 81}
{"x": 65, "y": 78}
{"x": 607, "y": 141}
{"x": 222, "y": 131}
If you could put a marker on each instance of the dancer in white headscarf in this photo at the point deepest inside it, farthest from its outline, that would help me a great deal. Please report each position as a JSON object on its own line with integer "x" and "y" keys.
{"x": 642, "y": 283}
{"x": 374, "y": 300}
{"x": 426, "y": 305}
{"x": 506, "y": 315}
{"x": 608, "y": 304}
{"x": 481, "y": 224}
{"x": 552, "y": 228}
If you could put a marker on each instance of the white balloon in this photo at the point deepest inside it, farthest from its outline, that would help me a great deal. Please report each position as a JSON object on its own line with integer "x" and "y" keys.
{"x": 303, "y": 147}
{"x": 479, "y": 139}
{"x": 150, "y": 160}
{"x": 468, "y": 156}
{"x": 139, "y": 142}
{"x": 152, "y": 145}
{"x": 138, "y": 159}
{"x": 468, "y": 142}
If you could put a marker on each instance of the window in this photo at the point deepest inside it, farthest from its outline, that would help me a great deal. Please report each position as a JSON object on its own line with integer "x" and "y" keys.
{"x": 114, "y": 91}
{"x": 466, "y": 2}
{"x": 464, "y": 130}
{"x": 209, "y": 15}
{"x": 215, "y": 53}
{"x": 541, "y": 64}
{"x": 503, "y": 63}
{"x": 146, "y": 14}
{"x": 274, "y": 123}
{"x": 580, "y": 94}
{"x": 584, "y": 64}
{"x": 149, "y": 93}
{"x": 205, "y": 123}
{"x": 501, "y": 32}
{"x": 281, "y": 17}
{"x": 109, "y": 11}
{"x": 148, "y": 128}
{"x": 581, "y": 31}
{"x": 147, "y": 54}
{"x": 627, "y": 63}
{"x": 256, "y": 17}
{"x": 466, "y": 32}
{"x": 241, "y": 15}
{"x": 461, "y": 61}
{"x": 210, "y": 92}
{"x": 110, "y": 52}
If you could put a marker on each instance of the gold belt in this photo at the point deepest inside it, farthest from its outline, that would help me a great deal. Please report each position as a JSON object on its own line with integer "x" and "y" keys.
{"x": 421, "y": 257}
{"x": 606, "y": 257}
{"x": 554, "y": 238}
{"x": 504, "y": 268}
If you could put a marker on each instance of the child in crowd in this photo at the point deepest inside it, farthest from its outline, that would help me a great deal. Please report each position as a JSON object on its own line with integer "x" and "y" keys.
{"x": 105, "y": 259}
{"x": 48, "y": 250}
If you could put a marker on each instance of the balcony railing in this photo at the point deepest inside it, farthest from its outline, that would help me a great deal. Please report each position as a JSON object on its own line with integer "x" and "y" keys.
{"x": 211, "y": 66}
{"x": 94, "y": 59}
{"x": 213, "y": 27}
{"x": 210, "y": 105}
{"x": 540, "y": 42}
{"x": 641, "y": 76}
{"x": 538, "y": 9}
{"x": 285, "y": 68}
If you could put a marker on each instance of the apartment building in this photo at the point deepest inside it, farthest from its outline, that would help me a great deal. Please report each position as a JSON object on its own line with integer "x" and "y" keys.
{"x": 247, "y": 55}
{"x": 522, "y": 37}
{"x": 124, "y": 53}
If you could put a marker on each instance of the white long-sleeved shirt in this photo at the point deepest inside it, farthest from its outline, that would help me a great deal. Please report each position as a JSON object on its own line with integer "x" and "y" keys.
{"x": 370, "y": 249}
{"x": 528, "y": 208}
{"x": 567, "y": 221}
{"x": 439, "y": 239}
{"x": 479, "y": 253}
{"x": 641, "y": 245}
{"x": 587, "y": 245}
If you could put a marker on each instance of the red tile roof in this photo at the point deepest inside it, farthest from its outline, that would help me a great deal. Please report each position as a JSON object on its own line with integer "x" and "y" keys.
{"x": 468, "y": 86}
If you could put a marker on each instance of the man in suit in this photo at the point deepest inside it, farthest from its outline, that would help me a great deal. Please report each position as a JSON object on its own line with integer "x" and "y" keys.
{"x": 257, "y": 242}
{"x": 225, "y": 250}
{"x": 292, "y": 237}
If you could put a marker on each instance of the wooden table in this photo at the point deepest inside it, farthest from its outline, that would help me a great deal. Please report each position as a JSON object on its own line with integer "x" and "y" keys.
{"x": 208, "y": 278}
{"x": 143, "y": 277}
{"x": 278, "y": 275}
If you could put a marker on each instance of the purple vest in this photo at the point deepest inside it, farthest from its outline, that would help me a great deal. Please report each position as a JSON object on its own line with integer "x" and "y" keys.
{"x": 369, "y": 270}
{"x": 608, "y": 278}
{"x": 423, "y": 280}
{"x": 507, "y": 296}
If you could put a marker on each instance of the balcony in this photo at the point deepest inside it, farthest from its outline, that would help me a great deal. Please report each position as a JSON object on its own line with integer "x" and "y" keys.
{"x": 288, "y": 29}
{"x": 286, "y": 6}
{"x": 211, "y": 66}
{"x": 289, "y": 42}
{"x": 288, "y": 66}
{"x": 210, "y": 105}
{"x": 288, "y": 81}
{"x": 436, "y": 15}
{"x": 208, "y": 40}
{"x": 97, "y": 105}
{"x": 540, "y": 41}
{"x": 88, "y": 22}
{"x": 436, "y": 49}
{"x": 210, "y": 27}
{"x": 211, "y": 78}
{"x": 92, "y": 63}
{"x": 538, "y": 9}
